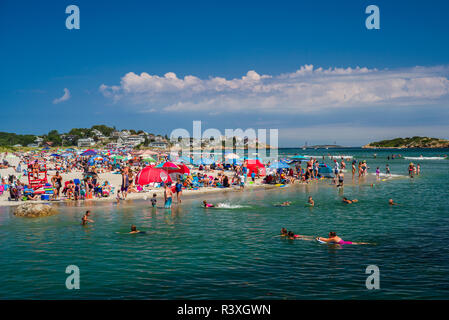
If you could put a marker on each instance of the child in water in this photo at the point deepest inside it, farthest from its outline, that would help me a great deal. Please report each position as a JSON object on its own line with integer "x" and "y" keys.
{"x": 154, "y": 200}
{"x": 208, "y": 205}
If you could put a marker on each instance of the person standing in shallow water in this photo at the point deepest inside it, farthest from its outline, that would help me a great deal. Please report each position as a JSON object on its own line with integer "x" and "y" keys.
{"x": 178, "y": 189}
{"x": 168, "y": 194}
{"x": 125, "y": 183}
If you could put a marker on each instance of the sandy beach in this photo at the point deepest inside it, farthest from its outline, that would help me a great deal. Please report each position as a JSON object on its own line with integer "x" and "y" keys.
{"x": 115, "y": 181}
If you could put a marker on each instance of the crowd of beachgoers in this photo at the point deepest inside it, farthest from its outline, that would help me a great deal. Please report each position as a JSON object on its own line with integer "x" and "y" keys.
{"x": 76, "y": 175}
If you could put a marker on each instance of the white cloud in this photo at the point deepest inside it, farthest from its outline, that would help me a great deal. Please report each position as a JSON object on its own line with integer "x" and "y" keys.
{"x": 305, "y": 90}
{"x": 65, "y": 97}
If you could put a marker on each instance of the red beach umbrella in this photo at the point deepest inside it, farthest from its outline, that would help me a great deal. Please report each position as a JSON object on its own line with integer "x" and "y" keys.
{"x": 151, "y": 174}
{"x": 168, "y": 166}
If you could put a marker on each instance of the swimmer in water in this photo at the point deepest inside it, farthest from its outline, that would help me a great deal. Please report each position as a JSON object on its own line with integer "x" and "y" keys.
{"x": 284, "y": 232}
{"x": 292, "y": 236}
{"x": 208, "y": 205}
{"x": 284, "y": 204}
{"x": 134, "y": 229}
{"x": 334, "y": 239}
{"x": 392, "y": 203}
{"x": 85, "y": 219}
{"x": 346, "y": 200}
{"x": 311, "y": 202}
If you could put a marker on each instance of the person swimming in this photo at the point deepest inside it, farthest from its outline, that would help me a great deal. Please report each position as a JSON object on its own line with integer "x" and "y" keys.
{"x": 334, "y": 239}
{"x": 311, "y": 202}
{"x": 85, "y": 219}
{"x": 346, "y": 200}
{"x": 208, "y": 205}
{"x": 284, "y": 204}
{"x": 134, "y": 230}
{"x": 392, "y": 203}
{"x": 292, "y": 236}
{"x": 284, "y": 232}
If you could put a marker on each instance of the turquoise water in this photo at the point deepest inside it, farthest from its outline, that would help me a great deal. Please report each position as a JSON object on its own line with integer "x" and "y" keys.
{"x": 235, "y": 253}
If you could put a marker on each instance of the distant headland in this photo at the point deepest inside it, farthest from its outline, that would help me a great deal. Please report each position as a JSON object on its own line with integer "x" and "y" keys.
{"x": 407, "y": 143}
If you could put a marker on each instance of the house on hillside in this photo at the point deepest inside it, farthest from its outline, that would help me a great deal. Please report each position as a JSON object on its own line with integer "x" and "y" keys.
{"x": 86, "y": 142}
{"x": 159, "y": 145}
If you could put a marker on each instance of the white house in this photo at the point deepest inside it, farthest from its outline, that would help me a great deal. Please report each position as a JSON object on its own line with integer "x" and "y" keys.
{"x": 131, "y": 141}
{"x": 87, "y": 142}
{"x": 159, "y": 145}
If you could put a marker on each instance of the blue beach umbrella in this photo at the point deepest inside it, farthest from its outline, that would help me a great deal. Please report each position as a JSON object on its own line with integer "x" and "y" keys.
{"x": 299, "y": 157}
{"x": 184, "y": 159}
{"x": 279, "y": 165}
{"x": 203, "y": 161}
{"x": 88, "y": 153}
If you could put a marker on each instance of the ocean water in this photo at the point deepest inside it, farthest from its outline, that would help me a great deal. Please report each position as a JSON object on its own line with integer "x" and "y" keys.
{"x": 234, "y": 252}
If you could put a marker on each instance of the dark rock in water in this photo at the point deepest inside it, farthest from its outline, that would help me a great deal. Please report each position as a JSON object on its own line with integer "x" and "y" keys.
{"x": 34, "y": 210}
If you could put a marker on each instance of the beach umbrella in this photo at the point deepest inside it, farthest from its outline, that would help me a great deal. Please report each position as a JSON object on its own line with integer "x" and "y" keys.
{"x": 183, "y": 169}
{"x": 149, "y": 159}
{"x": 168, "y": 166}
{"x": 149, "y": 153}
{"x": 184, "y": 159}
{"x": 279, "y": 165}
{"x": 299, "y": 157}
{"x": 151, "y": 175}
{"x": 89, "y": 152}
{"x": 203, "y": 161}
{"x": 232, "y": 156}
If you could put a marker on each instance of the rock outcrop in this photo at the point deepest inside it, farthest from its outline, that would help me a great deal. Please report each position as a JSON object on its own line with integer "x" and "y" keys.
{"x": 34, "y": 210}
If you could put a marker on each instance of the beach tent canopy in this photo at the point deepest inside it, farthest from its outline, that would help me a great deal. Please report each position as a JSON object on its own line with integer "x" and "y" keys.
{"x": 55, "y": 155}
{"x": 255, "y": 165}
{"x": 325, "y": 170}
{"x": 152, "y": 175}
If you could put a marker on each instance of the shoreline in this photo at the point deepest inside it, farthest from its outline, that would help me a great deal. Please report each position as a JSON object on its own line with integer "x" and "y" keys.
{"x": 195, "y": 194}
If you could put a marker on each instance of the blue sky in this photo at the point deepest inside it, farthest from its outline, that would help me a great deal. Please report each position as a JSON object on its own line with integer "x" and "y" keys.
{"x": 311, "y": 70}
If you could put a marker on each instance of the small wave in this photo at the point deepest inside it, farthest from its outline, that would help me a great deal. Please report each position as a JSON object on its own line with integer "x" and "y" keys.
{"x": 229, "y": 206}
{"x": 425, "y": 158}
{"x": 336, "y": 156}
{"x": 389, "y": 175}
